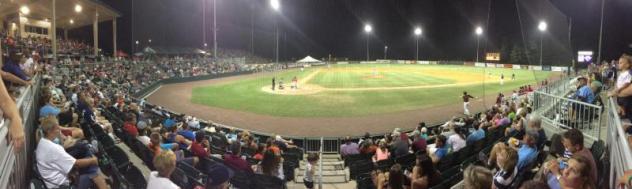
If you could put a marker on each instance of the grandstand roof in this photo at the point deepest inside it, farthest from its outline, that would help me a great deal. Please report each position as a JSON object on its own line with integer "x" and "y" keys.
{"x": 43, "y": 9}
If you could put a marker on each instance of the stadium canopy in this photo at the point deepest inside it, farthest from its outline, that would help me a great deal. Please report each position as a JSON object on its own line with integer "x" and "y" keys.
{"x": 60, "y": 13}
{"x": 308, "y": 59}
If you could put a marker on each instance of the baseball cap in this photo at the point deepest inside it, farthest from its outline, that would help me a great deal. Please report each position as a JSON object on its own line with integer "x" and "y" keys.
{"x": 168, "y": 123}
{"x": 48, "y": 110}
{"x": 218, "y": 174}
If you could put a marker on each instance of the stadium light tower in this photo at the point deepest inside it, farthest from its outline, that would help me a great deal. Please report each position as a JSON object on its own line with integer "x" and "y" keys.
{"x": 542, "y": 27}
{"x": 367, "y": 30}
{"x": 479, "y": 32}
{"x": 417, "y": 35}
{"x": 385, "y": 51}
{"x": 137, "y": 45}
{"x": 276, "y": 6}
{"x": 25, "y": 10}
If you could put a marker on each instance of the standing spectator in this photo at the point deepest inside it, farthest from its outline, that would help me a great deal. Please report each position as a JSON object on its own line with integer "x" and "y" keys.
{"x": 466, "y": 102}
{"x": 270, "y": 165}
{"x": 310, "y": 170}
{"x": 12, "y": 65}
{"x": 233, "y": 159}
{"x": 349, "y": 148}
{"x": 477, "y": 177}
{"x": 623, "y": 81}
{"x": 165, "y": 164}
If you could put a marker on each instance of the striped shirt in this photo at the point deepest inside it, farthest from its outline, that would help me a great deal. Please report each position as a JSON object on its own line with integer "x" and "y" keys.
{"x": 503, "y": 179}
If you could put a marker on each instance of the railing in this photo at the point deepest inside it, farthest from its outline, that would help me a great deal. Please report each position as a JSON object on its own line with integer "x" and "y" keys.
{"x": 15, "y": 168}
{"x": 320, "y": 164}
{"x": 617, "y": 145}
{"x": 558, "y": 87}
{"x": 558, "y": 112}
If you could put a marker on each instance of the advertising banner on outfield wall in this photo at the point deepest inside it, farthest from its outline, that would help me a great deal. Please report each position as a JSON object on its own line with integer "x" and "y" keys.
{"x": 342, "y": 62}
{"x": 516, "y": 66}
{"x": 468, "y": 63}
{"x": 382, "y": 61}
{"x": 368, "y": 62}
{"x": 508, "y": 66}
{"x": 490, "y": 65}
{"x": 546, "y": 68}
{"x": 434, "y": 62}
{"x": 537, "y": 68}
{"x": 401, "y": 61}
{"x": 423, "y": 62}
{"x": 478, "y": 64}
{"x": 500, "y": 65}
{"x": 559, "y": 69}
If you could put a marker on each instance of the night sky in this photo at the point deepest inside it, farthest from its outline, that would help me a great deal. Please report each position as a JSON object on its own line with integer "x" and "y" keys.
{"x": 335, "y": 27}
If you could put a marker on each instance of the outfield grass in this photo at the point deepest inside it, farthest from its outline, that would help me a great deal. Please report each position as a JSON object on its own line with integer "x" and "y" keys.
{"x": 246, "y": 95}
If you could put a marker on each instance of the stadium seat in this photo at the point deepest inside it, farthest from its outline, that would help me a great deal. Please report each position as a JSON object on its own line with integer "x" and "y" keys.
{"x": 106, "y": 141}
{"x": 355, "y": 157}
{"x": 364, "y": 181}
{"x": 385, "y": 165}
{"x": 597, "y": 149}
{"x": 407, "y": 161}
{"x": 360, "y": 167}
{"x": 241, "y": 180}
{"x": 446, "y": 162}
{"x": 135, "y": 177}
{"x": 450, "y": 172}
{"x": 118, "y": 157}
{"x": 190, "y": 171}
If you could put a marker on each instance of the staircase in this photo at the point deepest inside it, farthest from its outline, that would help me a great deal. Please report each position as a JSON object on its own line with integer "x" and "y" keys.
{"x": 333, "y": 170}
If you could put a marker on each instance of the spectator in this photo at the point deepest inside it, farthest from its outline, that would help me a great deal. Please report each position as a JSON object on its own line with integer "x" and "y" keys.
{"x": 576, "y": 175}
{"x": 506, "y": 161}
{"x": 419, "y": 143}
{"x": 218, "y": 177}
{"x": 349, "y": 148}
{"x": 457, "y": 140}
{"x": 382, "y": 152}
{"x": 165, "y": 164}
{"x": 424, "y": 132}
{"x": 368, "y": 147}
{"x": 394, "y": 179}
{"x": 527, "y": 152}
{"x": 624, "y": 102}
{"x": 477, "y": 135}
{"x": 625, "y": 180}
{"x": 573, "y": 141}
{"x": 310, "y": 170}
{"x": 130, "y": 125}
{"x": 584, "y": 93}
{"x": 233, "y": 159}
{"x": 54, "y": 164}
{"x": 442, "y": 149}
{"x": 535, "y": 125}
{"x": 424, "y": 174}
{"x": 477, "y": 177}
{"x": 12, "y": 65}
{"x": 270, "y": 165}
{"x": 401, "y": 145}
{"x": 200, "y": 146}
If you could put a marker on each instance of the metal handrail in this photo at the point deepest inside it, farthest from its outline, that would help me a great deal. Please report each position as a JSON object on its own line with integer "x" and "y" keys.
{"x": 617, "y": 144}
{"x": 320, "y": 165}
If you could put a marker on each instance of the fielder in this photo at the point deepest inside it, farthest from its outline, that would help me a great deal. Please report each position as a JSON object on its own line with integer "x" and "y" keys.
{"x": 466, "y": 102}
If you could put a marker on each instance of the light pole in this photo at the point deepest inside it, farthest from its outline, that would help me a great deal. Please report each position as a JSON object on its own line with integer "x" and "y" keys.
{"x": 276, "y": 5}
{"x": 385, "y": 51}
{"x": 136, "y": 45}
{"x": 417, "y": 34}
{"x": 479, "y": 32}
{"x": 149, "y": 41}
{"x": 367, "y": 30}
{"x": 542, "y": 27}
{"x": 214, "y": 29}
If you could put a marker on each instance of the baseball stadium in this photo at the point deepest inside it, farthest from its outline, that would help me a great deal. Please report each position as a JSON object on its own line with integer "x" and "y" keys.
{"x": 280, "y": 94}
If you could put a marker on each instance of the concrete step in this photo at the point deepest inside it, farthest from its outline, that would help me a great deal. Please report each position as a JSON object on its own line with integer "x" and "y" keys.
{"x": 302, "y": 163}
{"x": 325, "y": 167}
{"x": 336, "y": 179}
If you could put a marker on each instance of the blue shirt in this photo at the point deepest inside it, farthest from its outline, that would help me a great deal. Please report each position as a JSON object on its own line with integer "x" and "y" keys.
{"x": 586, "y": 94}
{"x": 441, "y": 152}
{"x": 476, "y": 136}
{"x": 526, "y": 155}
{"x": 14, "y": 69}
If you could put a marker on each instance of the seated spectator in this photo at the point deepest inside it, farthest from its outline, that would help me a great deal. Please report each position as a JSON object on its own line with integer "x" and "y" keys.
{"x": 401, "y": 146}
{"x": 201, "y": 147}
{"x": 165, "y": 164}
{"x": 457, "y": 140}
{"x": 393, "y": 179}
{"x": 573, "y": 141}
{"x": 584, "y": 92}
{"x": 535, "y": 124}
{"x": 419, "y": 143}
{"x": 55, "y": 164}
{"x": 270, "y": 165}
{"x": 478, "y": 134}
{"x": 424, "y": 132}
{"x": 527, "y": 152}
{"x": 143, "y": 138}
{"x": 382, "y": 152}
{"x": 577, "y": 175}
{"x": 186, "y": 132}
{"x": 218, "y": 177}
{"x": 349, "y": 148}
{"x": 156, "y": 146}
{"x": 233, "y": 159}
{"x": 368, "y": 147}
{"x": 534, "y": 184}
{"x": 170, "y": 136}
{"x": 259, "y": 153}
{"x": 130, "y": 126}
{"x": 517, "y": 129}
{"x": 442, "y": 149}
{"x": 506, "y": 161}
{"x": 477, "y": 177}
{"x": 424, "y": 174}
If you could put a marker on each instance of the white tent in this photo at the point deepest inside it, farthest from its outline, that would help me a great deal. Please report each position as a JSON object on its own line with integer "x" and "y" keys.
{"x": 308, "y": 59}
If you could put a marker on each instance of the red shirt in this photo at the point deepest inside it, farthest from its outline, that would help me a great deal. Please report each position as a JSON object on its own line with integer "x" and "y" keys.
{"x": 198, "y": 150}
{"x": 237, "y": 163}
{"x": 130, "y": 129}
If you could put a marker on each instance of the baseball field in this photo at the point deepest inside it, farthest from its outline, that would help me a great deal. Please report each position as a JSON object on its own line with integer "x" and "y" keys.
{"x": 359, "y": 90}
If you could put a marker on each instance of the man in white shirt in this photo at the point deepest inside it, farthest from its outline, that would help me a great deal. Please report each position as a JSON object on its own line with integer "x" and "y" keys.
{"x": 165, "y": 164}
{"x": 54, "y": 164}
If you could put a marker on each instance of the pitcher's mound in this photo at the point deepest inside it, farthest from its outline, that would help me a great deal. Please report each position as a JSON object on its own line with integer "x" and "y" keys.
{"x": 304, "y": 89}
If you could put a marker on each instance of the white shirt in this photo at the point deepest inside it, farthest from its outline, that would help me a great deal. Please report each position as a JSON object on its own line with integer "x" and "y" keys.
{"x": 53, "y": 163}
{"x": 74, "y": 98}
{"x": 144, "y": 139}
{"x": 623, "y": 78}
{"x": 156, "y": 182}
{"x": 456, "y": 142}
{"x": 308, "y": 172}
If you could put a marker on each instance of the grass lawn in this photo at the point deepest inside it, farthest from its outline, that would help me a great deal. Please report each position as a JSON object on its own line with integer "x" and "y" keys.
{"x": 335, "y": 100}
